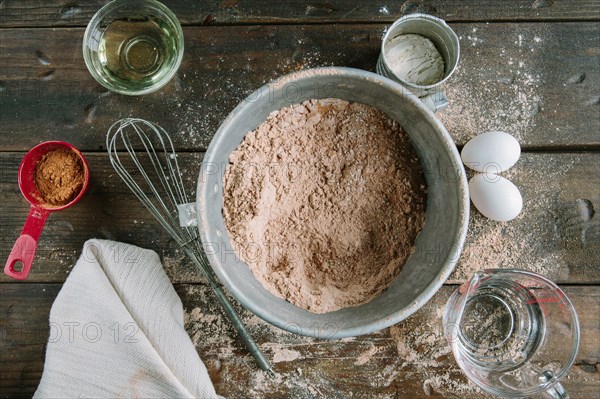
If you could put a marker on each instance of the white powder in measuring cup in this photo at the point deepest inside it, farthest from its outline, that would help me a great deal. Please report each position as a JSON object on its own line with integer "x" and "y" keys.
{"x": 414, "y": 58}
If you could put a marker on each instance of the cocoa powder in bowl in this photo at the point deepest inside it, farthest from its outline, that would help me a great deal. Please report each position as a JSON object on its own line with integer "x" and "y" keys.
{"x": 324, "y": 201}
{"x": 59, "y": 176}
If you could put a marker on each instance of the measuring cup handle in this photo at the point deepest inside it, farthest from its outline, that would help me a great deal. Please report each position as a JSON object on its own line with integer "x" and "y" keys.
{"x": 24, "y": 249}
{"x": 556, "y": 392}
{"x": 435, "y": 101}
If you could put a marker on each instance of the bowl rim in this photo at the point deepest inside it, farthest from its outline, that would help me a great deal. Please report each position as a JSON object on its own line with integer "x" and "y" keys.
{"x": 385, "y": 321}
{"x": 115, "y": 4}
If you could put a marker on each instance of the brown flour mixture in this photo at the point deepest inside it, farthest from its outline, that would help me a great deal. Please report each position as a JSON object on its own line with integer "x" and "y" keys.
{"x": 324, "y": 202}
{"x": 59, "y": 177}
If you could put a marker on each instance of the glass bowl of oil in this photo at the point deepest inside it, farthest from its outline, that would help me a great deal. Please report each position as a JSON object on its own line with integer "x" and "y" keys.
{"x": 133, "y": 47}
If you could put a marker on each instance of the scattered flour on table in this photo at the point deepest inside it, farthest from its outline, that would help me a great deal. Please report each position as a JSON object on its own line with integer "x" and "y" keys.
{"x": 365, "y": 357}
{"x": 281, "y": 354}
{"x": 262, "y": 383}
{"x": 510, "y": 102}
{"x": 424, "y": 349}
{"x": 384, "y": 10}
{"x": 514, "y": 114}
{"x": 199, "y": 115}
{"x": 206, "y": 329}
{"x": 420, "y": 348}
{"x": 448, "y": 383}
{"x": 546, "y": 238}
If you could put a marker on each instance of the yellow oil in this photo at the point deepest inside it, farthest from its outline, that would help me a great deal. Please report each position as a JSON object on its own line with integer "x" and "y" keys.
{"x": 134, "y": 53}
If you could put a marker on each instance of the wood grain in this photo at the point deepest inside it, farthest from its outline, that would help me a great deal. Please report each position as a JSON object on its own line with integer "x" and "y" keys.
{"x": 540, "y": 82}
{"x": 62, "y": 13}
{"x": 407, "y": 360}
{"x": 529, "y": 67}
{"x": 558, "y": 233}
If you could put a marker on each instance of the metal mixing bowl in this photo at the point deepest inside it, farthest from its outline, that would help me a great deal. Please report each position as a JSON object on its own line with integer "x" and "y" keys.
{"x": 438, "y": 246}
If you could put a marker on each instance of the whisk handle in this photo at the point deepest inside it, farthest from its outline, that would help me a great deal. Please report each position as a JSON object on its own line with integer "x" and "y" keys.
{"x": 241, "y": 329}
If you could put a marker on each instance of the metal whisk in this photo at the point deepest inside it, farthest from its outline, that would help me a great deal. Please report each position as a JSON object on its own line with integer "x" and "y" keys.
{"x": 156, "y": 181}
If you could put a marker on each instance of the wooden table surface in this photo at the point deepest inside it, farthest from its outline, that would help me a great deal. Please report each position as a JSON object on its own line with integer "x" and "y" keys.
{"x": 529, "y": 67}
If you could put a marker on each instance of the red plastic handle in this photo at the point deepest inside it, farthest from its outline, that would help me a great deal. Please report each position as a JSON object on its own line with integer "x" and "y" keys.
{"x": 24, "y": 249}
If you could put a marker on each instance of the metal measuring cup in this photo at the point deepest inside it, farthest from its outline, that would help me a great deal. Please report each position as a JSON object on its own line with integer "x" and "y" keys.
{"x": 445, "y": 41}
{"x": 26, "y": 245}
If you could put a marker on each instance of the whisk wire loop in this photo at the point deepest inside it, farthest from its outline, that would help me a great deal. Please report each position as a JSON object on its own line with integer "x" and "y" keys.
{"x": 155, "y": 179}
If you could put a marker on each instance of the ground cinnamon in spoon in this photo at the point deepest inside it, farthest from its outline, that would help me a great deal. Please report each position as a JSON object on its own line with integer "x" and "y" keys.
{"x": 59, "y": 176}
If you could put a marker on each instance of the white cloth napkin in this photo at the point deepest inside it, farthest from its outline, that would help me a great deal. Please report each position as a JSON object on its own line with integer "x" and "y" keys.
{"x": 116, "y": 331}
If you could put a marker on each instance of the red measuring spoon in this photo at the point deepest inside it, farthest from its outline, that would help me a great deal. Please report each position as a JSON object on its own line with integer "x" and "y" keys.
{"x": 24, "y": 249}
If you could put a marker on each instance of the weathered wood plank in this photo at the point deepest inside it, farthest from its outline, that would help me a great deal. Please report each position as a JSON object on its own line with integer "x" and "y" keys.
{"x": 558, "y": 233}
{"x": 540, "y": 82}
{"x": 61, "y": 13}
{"x": 408, "y": 360}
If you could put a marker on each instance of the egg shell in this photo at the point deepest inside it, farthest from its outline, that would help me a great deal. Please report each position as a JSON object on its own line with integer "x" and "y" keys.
{"x": 491, "y": 152}
{"x": 495, "y": 197}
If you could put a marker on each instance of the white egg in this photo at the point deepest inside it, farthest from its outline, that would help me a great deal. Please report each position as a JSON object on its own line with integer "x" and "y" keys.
{"x": 491, "y": 152}
{"x": 495, "y": 197}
